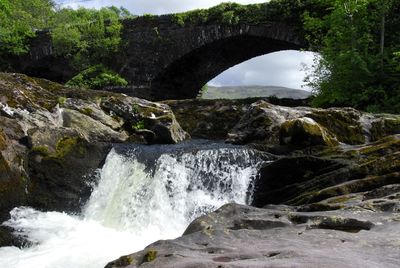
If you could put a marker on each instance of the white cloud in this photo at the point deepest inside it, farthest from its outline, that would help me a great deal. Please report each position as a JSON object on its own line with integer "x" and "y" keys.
{"x": 153, "y": 6}
{"x": 279, "y": 69}
{"x": 284, "y": 68}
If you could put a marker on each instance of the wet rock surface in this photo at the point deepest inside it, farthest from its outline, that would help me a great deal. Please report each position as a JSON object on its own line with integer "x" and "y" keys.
{"x": 278, "y": 236}
{"x": 53, "y": 138}
{"x": 280, "y": 122}
{"x": 213, "y": 119}
{"x": 318, "y": 206}
{"x": 330, "y": 199}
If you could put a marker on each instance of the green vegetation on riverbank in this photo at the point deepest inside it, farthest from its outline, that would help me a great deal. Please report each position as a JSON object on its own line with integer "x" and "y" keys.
{"x": 86, "y": 37}
{"x": 358, "y": 41}
{"x": 359, "y": 44}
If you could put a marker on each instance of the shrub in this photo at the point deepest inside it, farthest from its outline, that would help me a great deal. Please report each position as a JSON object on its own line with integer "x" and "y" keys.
{"x": 96, "y": 77}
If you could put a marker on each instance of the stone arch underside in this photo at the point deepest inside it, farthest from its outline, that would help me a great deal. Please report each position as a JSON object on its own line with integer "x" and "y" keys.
{"x": 185, "y": 76}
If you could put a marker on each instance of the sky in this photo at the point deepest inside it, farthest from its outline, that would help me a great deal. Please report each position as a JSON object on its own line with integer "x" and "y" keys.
{"x": 285, "y": 68}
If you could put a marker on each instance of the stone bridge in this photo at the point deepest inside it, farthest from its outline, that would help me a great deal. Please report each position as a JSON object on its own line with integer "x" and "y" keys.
{"x": 173, "y": 56}
{"x": 174, "y": 61}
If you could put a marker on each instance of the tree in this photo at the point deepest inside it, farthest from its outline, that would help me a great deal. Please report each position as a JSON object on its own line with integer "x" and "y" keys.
{"x": 87, "y": 36}
{"x": 19, "y": 19}
{"x": 356, "y": 64}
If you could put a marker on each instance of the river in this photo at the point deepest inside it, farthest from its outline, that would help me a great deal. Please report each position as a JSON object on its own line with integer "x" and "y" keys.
{"x": 142, "y": 194}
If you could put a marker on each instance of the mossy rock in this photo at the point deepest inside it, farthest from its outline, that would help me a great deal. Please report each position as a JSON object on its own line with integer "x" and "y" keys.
{"x": 69, "y": 144}
{"x": 3, "y": 141}
{"x": 305, "y": 132}
{"x": 354, "y": 186}
{"x": 150, "y": 255}
{"x": 41, "y": 150}
{"x": 61, "y": 179}
{"x": 386, "y": 125}
{"x": 123, "y": 261}
{"x": 208, "y": 119}
{"x": 344, "y": 123}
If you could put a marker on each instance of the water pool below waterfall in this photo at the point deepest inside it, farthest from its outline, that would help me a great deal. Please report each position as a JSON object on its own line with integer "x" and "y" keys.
{"x": 143, "y": 194}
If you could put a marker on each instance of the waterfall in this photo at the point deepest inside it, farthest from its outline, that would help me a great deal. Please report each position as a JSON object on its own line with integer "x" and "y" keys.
{"x": 143, "y": 194}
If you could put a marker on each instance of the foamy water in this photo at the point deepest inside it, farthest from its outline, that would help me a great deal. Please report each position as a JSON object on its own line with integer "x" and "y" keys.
{"x": 133, "y": 206}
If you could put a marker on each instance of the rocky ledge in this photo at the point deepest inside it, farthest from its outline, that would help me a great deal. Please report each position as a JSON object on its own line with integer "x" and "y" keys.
{"x": 277, "y": 236}
{"x": 337, "y": 209}
{"x": 53, "y": 138}
{"x": 331, "y": 198}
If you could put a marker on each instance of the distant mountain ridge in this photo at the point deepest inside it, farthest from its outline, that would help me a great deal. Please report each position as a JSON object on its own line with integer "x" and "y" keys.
{"x": 241, "y": 92}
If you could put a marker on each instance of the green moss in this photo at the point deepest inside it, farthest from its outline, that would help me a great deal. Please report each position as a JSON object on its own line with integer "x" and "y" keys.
{"x": 124, "y": 261}
{"x": 62, "y": 100}
{"x": 379, "y": 148}
{"x": 344, "y": 124}
{"x": 69, "y": 144}
{"x": 136, "y": 108}
{"x": 87, "y": 111}
{"x": 4, "y": 168}
{"x": 305, "y": 132}
{"x": 42, "y": 150}
{"x": 139, "y": 125}
{"x": 150, "y": 255}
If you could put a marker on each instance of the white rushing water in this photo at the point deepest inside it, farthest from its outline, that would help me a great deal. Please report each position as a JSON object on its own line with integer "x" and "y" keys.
{"x": 132, "y": 206}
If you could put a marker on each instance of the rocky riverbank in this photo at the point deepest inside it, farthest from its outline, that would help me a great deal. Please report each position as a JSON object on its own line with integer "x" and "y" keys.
{"x": 332, "y": 197}
{"x": 334, "y": 208}
{"x": 53, "y": 138}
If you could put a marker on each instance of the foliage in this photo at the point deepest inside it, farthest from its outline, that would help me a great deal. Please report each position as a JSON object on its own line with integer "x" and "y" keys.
{"x": 18, "y": 21}
{"x": 202, "y": 91}
{"x": 233, "y": 13}
{"x": 287, "y": 11}
{"x": 87, "y": 36}
{"x": 96, "y": 77}
{"x": 356, "y": 67}
{"x": 139, "y": 125}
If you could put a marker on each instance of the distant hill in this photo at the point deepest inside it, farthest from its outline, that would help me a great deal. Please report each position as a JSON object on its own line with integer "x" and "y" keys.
{"x": 241, "y": 92}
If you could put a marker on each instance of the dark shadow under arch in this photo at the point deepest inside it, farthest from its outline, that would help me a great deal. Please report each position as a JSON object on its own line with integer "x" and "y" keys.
{"x": 185, "y": 77}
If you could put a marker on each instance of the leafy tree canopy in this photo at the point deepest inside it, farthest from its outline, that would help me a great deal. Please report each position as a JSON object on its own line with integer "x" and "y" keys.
{"x": 85, "y": 36}
{"x": 19, "y": 19}
{"x": 359, "y": 64}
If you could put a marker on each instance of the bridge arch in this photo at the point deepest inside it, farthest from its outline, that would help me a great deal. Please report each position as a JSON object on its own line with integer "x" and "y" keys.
{"x": 174, "y": 62}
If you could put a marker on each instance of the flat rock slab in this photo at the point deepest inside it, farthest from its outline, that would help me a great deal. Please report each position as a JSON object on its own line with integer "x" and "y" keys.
{"x": 242, "y": 236}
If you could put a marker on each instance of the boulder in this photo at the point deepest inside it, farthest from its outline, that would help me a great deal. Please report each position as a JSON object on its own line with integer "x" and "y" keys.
{"x": 384, "y": 125}
{"x": 53, "y": 138}
{"x": 304, "y": 131}
{"x": 208, "y": 119}
{"x": 261, "y": 123}
{"x": 93, "y": 110}
{"x": 155, "y": 121}
{"x": 61, "y": 179}
{"x": 290, "y": 177}
{"x": 13, "y": 164}
{"x": 91, "y": 129}
{"x": 346, "y": 124}
{"x": 307, "y": 179}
